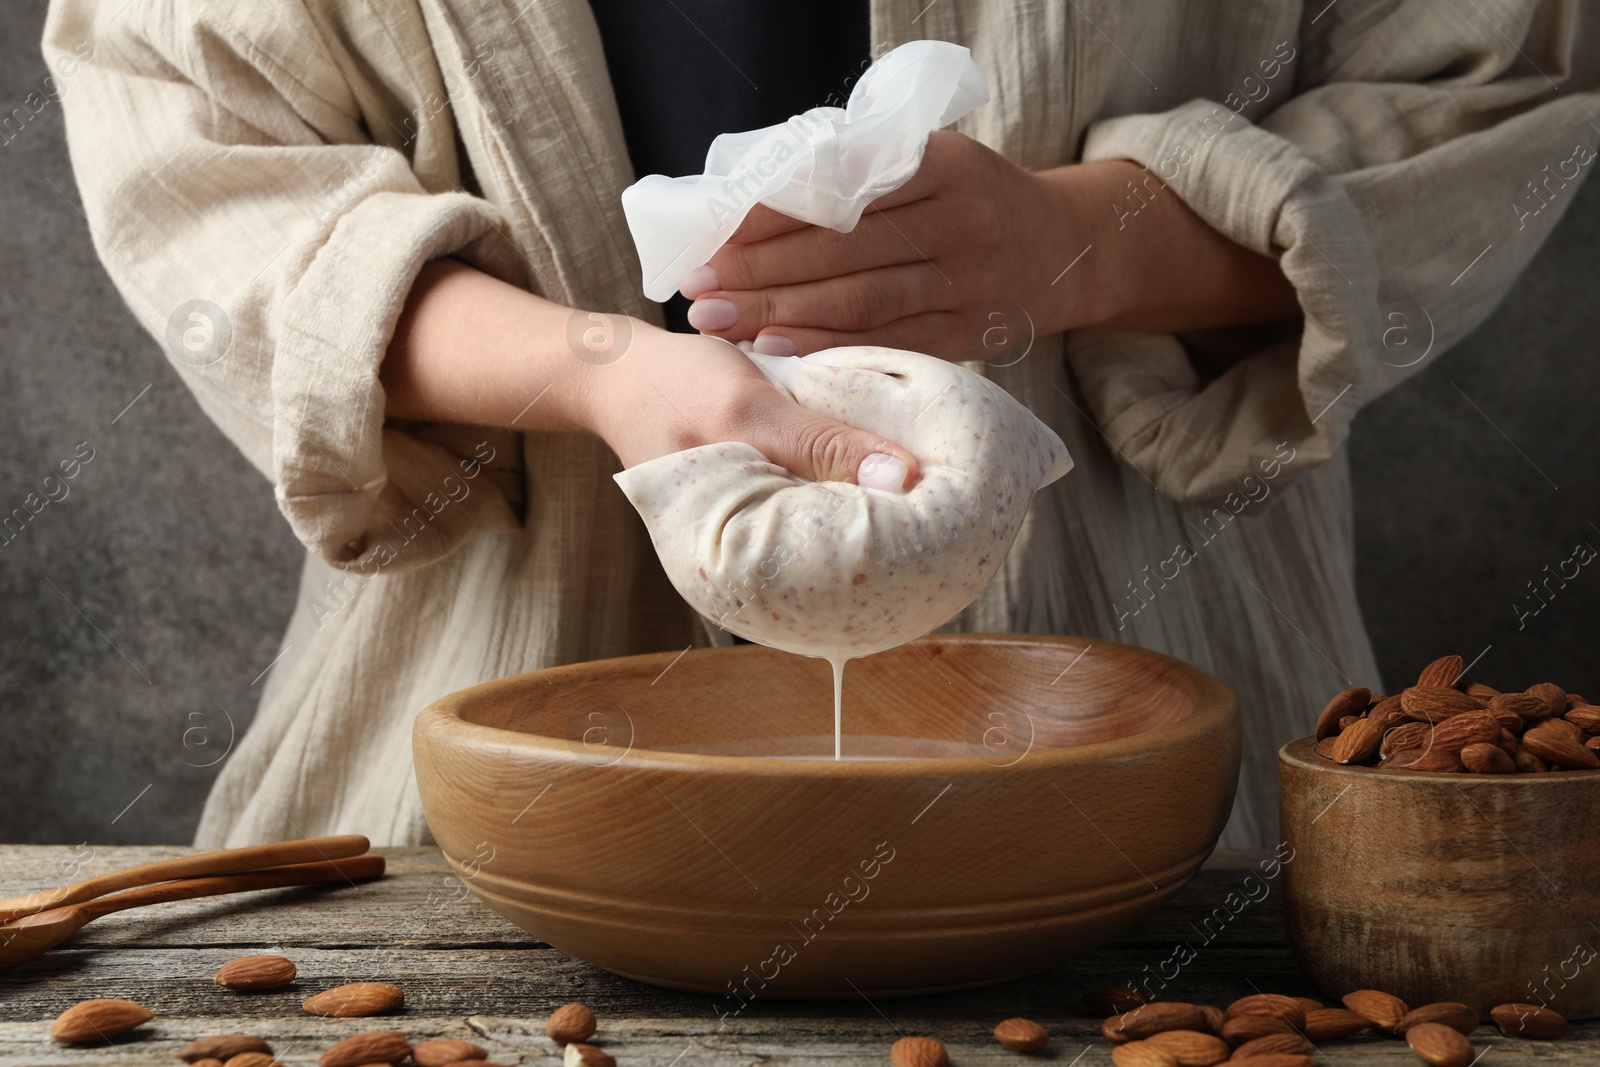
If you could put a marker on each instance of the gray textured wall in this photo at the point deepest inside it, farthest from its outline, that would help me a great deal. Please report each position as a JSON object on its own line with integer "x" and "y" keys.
{"x": 137, "y": 611}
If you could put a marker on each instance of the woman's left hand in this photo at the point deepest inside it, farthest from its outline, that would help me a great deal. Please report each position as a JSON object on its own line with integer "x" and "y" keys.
{"x": 935, "y": 266}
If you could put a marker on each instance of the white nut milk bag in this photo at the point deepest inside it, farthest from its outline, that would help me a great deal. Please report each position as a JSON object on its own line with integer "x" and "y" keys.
{"x": 830, "y": 569}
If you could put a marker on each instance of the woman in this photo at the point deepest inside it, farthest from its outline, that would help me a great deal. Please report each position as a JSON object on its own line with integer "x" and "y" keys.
{"x": 1205, "y": 218}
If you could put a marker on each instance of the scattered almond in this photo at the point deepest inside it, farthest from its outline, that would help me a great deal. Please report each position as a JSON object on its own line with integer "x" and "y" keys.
{"x": 1468, "y": 728}
{"x": 1330, "y": 1024}
{"x": 907, "y": 1052}
{"x": 1242, "y": 1029}
{"x": 1438, "y": 1045}
{"x": 1149, "y": 1019}
{"x": 1436, "y": 703}
{"x": 1528, "y": 1020}
{"x": 1190, "y": 1047}
{"x": 1287, "y": 1043}
{"x": 256, "y": 972}
{"x": 98, "y": 1020}
{"x": 374, "y": 1046}
{"x": 1552, "y": 694}
{"x": 570, "y": 1024}
{"x": 251, "y": 1059}
{"x": 1286, "y": 1008}
{"x": 221, "y": 1047}
{"x": 1383, "y": 1010}
{"x": 441, "y": 1051}
{"x": 1458, "y": 1017}
{"x": 1586, "y": 718}
{"x": 580, "y": 1055}
{"x": 1024, "y": 1035}
{"x": 1142, "y": 1054}
{"x": 356, "y": 999}
{"x": 1427, "y": 759}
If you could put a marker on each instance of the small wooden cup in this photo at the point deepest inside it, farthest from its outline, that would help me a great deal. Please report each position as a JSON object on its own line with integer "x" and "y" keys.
{"x": 1482, "y": 889}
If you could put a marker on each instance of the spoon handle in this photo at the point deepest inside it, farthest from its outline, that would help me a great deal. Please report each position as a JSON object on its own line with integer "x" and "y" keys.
{"x": 275, "y": 854}
{"x": 348, "y": 870}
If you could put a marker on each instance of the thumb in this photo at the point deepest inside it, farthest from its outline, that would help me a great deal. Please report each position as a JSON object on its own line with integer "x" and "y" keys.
{"x": 819, "y": 449}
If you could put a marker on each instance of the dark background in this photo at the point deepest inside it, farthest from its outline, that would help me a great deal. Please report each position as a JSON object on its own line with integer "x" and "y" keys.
{"x": 148, "y": 602}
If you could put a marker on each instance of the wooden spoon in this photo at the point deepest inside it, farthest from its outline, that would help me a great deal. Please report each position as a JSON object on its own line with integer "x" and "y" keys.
{"x": 275, "y": 854}
{"x": 23, "y": 939}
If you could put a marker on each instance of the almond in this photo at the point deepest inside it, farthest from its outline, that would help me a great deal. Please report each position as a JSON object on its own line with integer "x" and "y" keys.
{"x": 1279, "y": 1059}
{"x": 1214, "y": 1019}
{"x": 1586, "y": 718}
{"x": 1330, "y": 1024}
{"x": 256, "y": 972}
{"x": 578, "y": 1055}
{"x": 1190, "y": 1047}
{"x": 1438, "y": 1045}
{"x": 1552, "y": 694}
{"x": 1556, "y": 747}
{"x": 1447, "y": 1013}
{"x": 1388, "y": 711}
{"x": 1142, "y": 1054}
{"x": 1443, "y": 671}
{"x": 1571, "y": 729}
{"x": 1435, "y": 703}
{"x": 1291, "y": 1044}
{"x": 1352, "y": 701}
{"x": 1242, "y": 1029}
{"x": 1509, "y": 720}
{"x": 1525, "y": 707}
{"x": 1359, "y": 742}
{"x": 356, "y": 999}
{"x": 1383, "y": 1010}
{"x": 1575, "y": 701}
{"x": 1593, "y": 742}
{"x": 1406, "y": 735}
{"x": 1487, "y": 759}
{"x": 1481, "y": 691}
{"x": 570, "y": 1024}
{"x": 221, "y": 1047}
{"x": 444, "y": 1050}
{"x": 1427, "y": 759}
{"x": 1149, "y": 1019}
{"x": 1348, "y": 721}
{"x": 207, "y": 1062}
{"x": 907, "y": 1052}
{"x": 1528, "y": 1020}
{"x": 1308, "y": 1005}
{"x": 251, "y": 1059}
{"x": 1508, "y": 743}
{"x": 374, "y": 1046}
{"x": 1286, "y": 1008}
{"x": 1112, "y": 1000}
{"x": 98, "y": 1020}
{"x": 1325, "y": 746}
{"x": 1527, "y": 762}
{"x": 1024, "y": 1035}
{"x": 1468, "y": 728}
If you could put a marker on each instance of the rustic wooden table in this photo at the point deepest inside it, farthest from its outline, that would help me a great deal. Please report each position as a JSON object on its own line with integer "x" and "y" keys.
{"x": 468, "y": 973}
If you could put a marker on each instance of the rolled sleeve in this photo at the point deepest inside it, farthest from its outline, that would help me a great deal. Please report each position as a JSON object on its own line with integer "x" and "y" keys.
{"x": 226, "y": 155}
{"x": 1395, "y": 167}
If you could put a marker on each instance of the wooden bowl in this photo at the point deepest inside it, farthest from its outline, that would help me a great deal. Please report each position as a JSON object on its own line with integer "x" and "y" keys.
{"x": 1027, "y": 798}
{"x": 1483, "y": 889}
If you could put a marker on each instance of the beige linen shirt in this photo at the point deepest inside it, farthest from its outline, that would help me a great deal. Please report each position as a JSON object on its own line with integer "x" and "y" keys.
{"x": 296, "y": 162}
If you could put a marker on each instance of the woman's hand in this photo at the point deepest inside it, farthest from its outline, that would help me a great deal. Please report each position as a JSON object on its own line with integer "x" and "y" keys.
{"x": 973, "y": 241}
{"x": 470, "y": 348}
{"x": 672, "y": 391}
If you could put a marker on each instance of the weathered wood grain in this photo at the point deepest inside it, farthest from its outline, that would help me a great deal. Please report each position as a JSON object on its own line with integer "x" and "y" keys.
{"x": 468, "y": 973}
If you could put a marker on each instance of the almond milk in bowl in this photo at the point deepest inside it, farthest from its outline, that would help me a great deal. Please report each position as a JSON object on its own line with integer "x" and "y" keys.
{"x": 1005, "y": 802}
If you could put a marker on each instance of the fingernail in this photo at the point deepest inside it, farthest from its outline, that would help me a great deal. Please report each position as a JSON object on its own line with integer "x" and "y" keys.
{"x": 775, "y": 344}
{"x": 879, "y": 471}
{"x": 700, "y": 280}
{"x": 713, "y": 314}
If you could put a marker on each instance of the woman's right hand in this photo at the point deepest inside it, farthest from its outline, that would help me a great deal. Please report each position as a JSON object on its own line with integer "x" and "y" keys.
{"x": 673, "y": 391}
